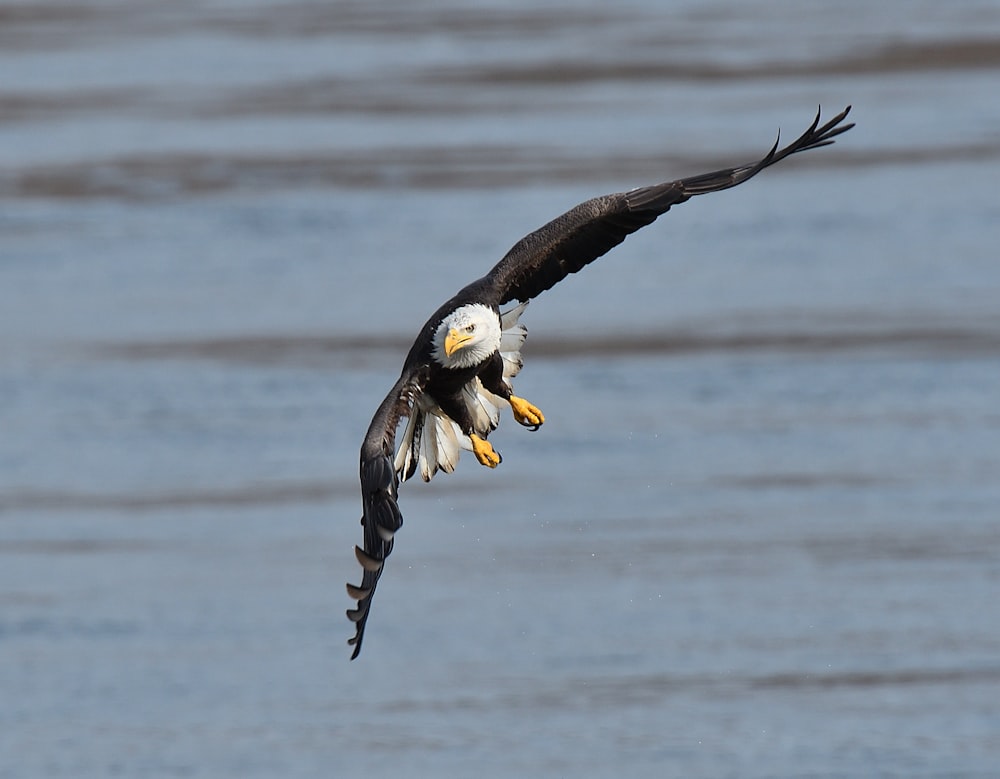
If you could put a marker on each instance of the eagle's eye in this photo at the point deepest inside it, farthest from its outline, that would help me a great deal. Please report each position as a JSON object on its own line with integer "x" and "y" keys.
{"x": 470, "y": 329}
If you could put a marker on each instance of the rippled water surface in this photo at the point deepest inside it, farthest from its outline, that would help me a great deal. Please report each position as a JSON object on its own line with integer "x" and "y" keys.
{"x": 759, "y": 534}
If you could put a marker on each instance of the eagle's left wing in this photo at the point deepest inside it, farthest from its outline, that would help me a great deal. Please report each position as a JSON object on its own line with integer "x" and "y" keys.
{"x": 381, "y": 517}
{"x": 570, "y": 242}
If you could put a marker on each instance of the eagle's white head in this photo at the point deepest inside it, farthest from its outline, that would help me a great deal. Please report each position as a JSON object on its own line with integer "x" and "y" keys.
{"x": 467, "y": 336}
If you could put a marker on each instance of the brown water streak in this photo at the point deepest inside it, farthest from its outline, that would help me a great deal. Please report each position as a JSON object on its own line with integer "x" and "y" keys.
{"x": 169, "y": 176}
{"x": 315, "y": 350}
{"x": 236, "y": 497}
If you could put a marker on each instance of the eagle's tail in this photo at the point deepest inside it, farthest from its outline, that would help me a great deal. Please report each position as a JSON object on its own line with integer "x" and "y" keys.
{"x": 430, "y": 442}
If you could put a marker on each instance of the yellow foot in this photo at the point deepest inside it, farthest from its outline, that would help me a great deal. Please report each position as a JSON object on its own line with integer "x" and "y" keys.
{"x": 525, "y": 413}
{"x": 485, "y": 452}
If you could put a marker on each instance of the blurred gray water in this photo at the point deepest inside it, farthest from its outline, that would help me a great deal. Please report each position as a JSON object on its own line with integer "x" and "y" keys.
{"x": 759, "y": 535}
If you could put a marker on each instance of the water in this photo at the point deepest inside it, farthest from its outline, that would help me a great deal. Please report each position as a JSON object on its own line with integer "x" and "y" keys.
{"x": 757, "y": 536}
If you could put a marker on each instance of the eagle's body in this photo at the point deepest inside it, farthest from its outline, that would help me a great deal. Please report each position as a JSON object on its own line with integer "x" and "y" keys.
{"x": 457, "y": 376}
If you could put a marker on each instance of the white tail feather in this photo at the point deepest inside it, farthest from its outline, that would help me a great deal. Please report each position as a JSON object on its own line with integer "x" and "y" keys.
{"x": 430, "y": 441}
{"x": 447, "y": 443}
{"x": 428, "y": 453}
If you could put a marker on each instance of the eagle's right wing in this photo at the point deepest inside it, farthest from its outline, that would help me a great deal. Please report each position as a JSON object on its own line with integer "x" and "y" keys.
{"x": 379, "y": 488}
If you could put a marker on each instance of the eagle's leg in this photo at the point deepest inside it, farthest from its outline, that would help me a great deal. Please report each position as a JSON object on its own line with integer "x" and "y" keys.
{"x": 485, "y": 452}
{"x": 525, "y": 413}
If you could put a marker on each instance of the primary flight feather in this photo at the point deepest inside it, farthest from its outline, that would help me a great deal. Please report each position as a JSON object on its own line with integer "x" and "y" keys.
{"x": 456, "y": 379}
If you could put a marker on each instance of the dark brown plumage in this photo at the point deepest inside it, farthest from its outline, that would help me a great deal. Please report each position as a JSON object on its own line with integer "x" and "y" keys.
{"x": 534, "y": 264}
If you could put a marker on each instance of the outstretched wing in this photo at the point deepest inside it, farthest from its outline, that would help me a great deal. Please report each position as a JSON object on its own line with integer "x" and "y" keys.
{"x": 379, "y": 488}
{"x": 565, "y": 245}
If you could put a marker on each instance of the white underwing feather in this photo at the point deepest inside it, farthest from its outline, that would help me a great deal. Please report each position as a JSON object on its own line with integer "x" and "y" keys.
{"x": 404, "y": 455}
{"x": 509, "y": 317}
{"x": 483, "y": 407}
{"x": 511, "y": 339}
{"x": 512, "y": 364}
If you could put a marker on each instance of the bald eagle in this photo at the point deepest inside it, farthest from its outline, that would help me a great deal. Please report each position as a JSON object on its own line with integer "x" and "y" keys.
{"x": 457, "y": 376}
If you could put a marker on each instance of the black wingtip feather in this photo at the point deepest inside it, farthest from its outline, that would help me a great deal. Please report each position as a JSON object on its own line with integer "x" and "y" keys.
{"x": 358, "y": 593}
{"x": 369, "y": 563}
{"x": 814, "y": 137}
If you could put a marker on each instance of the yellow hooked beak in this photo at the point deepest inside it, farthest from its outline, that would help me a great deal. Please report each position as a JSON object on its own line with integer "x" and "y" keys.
{"x": 454, "y": 341}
